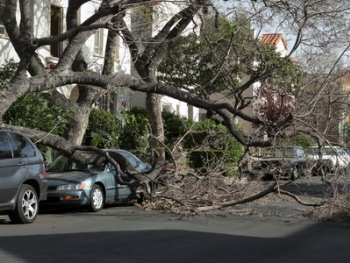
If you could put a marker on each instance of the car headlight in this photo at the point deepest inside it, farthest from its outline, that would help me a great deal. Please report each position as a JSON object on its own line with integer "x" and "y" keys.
{"x": 80, "y": 186}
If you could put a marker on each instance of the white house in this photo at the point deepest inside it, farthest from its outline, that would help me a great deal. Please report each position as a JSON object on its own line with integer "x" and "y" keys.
{"x": 49, "y": 19}
{"x": 162, "y": 11}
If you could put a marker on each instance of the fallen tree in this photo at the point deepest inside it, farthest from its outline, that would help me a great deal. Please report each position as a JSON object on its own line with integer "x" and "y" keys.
{"x": 149, "y": 50}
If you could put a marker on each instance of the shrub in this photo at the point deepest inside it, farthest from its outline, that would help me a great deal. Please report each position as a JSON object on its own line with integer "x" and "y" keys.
{"x": 34, "y": 110}
{"x": 175, "y": 126}
{"x": 103, "y": 130}
{"x": 300, "y": 139}
{"x": 212, "y": 146}
{"x": 134, "y": 135}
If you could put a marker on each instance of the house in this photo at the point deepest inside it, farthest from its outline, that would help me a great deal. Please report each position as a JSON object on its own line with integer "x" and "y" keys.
{"x": 277, "y": 40}
{"x": 49, "y": 19}
{"x": 143, "y": 28}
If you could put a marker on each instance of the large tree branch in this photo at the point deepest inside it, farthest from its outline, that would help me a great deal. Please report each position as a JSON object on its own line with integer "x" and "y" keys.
{"x": 51, "y": 81}
{"x": 19, "y": 38}
{"x": 173, "y": 28}
{"x": 261, "y": 194}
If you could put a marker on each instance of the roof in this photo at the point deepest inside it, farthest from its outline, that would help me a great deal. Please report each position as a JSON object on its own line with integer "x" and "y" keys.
{"x": 274, "y": 39}
{"x": 346, "y": 78}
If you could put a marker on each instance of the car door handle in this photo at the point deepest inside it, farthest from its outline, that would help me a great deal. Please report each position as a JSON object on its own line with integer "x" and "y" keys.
{"x": 20, "y": 164}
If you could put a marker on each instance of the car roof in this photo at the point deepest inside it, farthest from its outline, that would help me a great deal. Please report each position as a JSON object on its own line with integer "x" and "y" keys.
{"x": 10, "y": 131}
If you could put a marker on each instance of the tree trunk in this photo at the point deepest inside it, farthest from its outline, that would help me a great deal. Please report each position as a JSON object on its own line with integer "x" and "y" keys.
{"x": 154, "y": 114}
{"x": 76, "y": 130}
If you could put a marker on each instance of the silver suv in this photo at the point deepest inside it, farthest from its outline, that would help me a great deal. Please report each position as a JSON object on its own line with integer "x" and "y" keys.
{"x": 22, "y": 177}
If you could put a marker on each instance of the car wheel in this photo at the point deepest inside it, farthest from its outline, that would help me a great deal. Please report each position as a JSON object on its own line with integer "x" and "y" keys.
{"x": 27, "y": 206}
{"x": 295, "y": 174}
{"x": 97, "y": 199}
{"x": 141, "y": 199}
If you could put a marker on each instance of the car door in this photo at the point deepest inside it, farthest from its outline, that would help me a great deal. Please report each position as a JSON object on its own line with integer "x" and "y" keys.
{"x": 30, "y": 154}
{"x": 119, "y": 191}
{"x": 12, "y": 169}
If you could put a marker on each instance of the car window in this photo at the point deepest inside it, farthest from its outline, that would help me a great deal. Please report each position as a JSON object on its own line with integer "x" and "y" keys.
{"x": 311, "y": 151}
{"x": 20, "y": 142}
{"x": 300, "y": 153}
{"x": 132, "y": 159}
{"x": 58, "y": 164}
{"x": 332, "y": 151}
{"x": 5, "y": 148}
{"x": 326, "y": 151}
{"x": 289, "y": 152}
{"x": 111, "y": 167}
{"x": 340, "y": 151}
{"x": 87, "y": 167}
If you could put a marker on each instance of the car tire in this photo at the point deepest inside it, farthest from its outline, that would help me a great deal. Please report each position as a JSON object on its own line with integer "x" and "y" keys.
{"x": 97, "y": 199}
{"x": 141, "y": 199}
{"x": 27, "y": 206}
{"x": 295, "y": 174}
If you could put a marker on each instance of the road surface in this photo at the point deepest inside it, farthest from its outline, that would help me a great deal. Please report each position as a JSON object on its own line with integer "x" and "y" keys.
{"x": 127, "y": 234}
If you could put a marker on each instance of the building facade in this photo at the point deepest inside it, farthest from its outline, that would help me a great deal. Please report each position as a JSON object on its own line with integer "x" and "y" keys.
{"x": 48, "y": 19}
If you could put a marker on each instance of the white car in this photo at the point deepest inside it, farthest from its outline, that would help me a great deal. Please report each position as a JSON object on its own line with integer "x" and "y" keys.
{"x": 330, "y": 159}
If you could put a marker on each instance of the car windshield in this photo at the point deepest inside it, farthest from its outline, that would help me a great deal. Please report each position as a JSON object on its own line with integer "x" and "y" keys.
{"x": 62, "y": 163}
{"x": 135, "y": 162}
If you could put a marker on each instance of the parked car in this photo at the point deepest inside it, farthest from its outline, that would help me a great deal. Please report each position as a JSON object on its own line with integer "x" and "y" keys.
{"x": 22, "y": 177}
{"x": 287, "y": 162}
{"x": 329, "y": 159}
{"x": 91, "y": 185}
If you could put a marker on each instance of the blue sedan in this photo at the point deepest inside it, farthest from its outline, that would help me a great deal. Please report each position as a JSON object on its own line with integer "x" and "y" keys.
{"x": 91, "y": 185}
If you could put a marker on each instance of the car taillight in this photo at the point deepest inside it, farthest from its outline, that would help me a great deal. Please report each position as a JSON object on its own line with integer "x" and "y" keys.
{"x": 44, "y": 171}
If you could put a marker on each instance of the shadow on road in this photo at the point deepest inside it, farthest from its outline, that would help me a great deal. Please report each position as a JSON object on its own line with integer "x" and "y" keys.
{"x": 318, "y": 243}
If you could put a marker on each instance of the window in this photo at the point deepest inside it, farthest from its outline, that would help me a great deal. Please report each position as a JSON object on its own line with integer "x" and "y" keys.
{"x": 2, "y": 28}
{"x": 300, "y": 153}
{"x": 56, "y": 29}
{"x": 106, "y": 102}
{"x": 27, "y": 150}
{"x": 202, "y": 116}
{"x": 98, "y": 42}
{"x": 5, "y": 148}
{"x": 167, "y": 107}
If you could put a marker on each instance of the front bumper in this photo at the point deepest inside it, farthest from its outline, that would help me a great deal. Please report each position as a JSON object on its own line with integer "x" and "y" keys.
{"x": 66, "y": 198}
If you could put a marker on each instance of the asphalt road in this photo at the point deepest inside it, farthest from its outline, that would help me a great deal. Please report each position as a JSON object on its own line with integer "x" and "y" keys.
{"x": 127, "y": 234}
